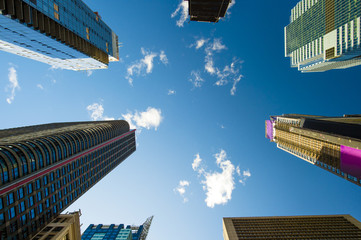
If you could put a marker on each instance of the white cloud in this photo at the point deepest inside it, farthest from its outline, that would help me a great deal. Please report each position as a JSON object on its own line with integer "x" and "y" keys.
{"x": 196, "y": 162}
{"x": 219, "y": 185}
{"x": 209, "y": 67}
{"x": 196, "y": 79}
{"x": 181, "y": 189}
{"x": 151, "y": 118}
{"x": 145, "y": 65}
{"x": 40, "y": 86}
{"x": 163, "y": 58}
{"x": 13, "y": 84}
{"x": 200, "y": 43}
{"x": 216, "y": 45}
{"x": 89, "y": 73}
{"x": 171, "y": 92}
{"x": 182, "y": 9}
{"x": 96, "y": 111}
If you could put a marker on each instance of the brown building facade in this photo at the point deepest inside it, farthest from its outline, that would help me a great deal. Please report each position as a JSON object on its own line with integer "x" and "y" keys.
{"x": 292, "y": 227}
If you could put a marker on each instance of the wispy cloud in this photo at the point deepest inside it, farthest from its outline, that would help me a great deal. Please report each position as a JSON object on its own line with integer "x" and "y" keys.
{"x": 181, "y": 189}
{"x": 196, "y": 79}
{"x": 230, "y": 73}
{"x": 145, "y": 65}
{"x": 13, "y": 84}
{"x": 163, "y": 58}
{"x": 151, "y": 118}
{"x": 96, "y": 112}
{"x": 244, "y": 175}
{"x": 40, "y": 86}
{"x": 199, "y": 43}
{"x": 171, "y": 92}
{"x": 218, "y": 185}
{"x": 182, "y": 10}
{"x": 196, "y": 163}
{"x": 89, "y": 73}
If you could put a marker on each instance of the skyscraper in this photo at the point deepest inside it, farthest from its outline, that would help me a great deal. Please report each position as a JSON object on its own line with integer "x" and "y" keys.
{"x": 65, "y": 34}
{"x": 207, "y": 10}
{"x": 332, "y": 143}
{"x": 292, "y": 227}
{"x": 117, "y": 232}
{"x": 45, "y": 168}
{"x": 324, "y": 35}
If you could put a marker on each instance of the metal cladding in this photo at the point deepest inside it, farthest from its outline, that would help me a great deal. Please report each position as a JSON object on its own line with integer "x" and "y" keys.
{"x": 208, "y": 10}
{"x": 45, "y": 168}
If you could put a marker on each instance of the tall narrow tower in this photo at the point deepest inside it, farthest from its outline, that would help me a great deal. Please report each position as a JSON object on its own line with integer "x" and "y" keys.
{"x": 324, "y": 35}
{"x": 332, "y": 143}
{"x": 45, "y": 168}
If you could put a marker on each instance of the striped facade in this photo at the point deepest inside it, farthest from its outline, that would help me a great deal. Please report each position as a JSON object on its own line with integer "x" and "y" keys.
{"x": 324, "y": 35}
{"x": 293, "y": 227}
{"x": 332, "y": 143}
{"x": 44, "y": 168}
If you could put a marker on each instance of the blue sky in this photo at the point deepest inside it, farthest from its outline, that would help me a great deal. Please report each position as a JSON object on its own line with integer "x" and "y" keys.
{"x": 199, "y": 94}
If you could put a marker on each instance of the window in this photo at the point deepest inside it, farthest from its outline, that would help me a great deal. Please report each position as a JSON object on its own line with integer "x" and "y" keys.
{"x": 46, "y": 191}
{"x": 32, "y": 213}
{"x": 22, "y": 207}
{"x": 37, "y": 184}
{"x": 20, "y": 193}
{"x": 31, "y": 201}
{"x": 40, "y": 208}
{"x": 10, "y": 198}
{"x": 52, "y": 188}
{"x": 30, "y": 188}
{"x": 1, "y": 203}
{"x": 11, "y": 213}
{"x": 39, "y": 196}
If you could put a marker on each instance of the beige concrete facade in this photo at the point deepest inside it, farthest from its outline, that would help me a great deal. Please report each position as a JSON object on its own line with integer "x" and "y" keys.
{"x": 64, "y": 227}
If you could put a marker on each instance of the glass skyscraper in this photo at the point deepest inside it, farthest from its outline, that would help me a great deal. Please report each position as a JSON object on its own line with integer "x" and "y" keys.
{"x": 332, "y": 143}
{"x": 324, "y": 35}
{"x": 117, "y": 232}
{"x": 45, "y": 168}
{"x": 292, "y": 227}
{"x": 63, "y": 33}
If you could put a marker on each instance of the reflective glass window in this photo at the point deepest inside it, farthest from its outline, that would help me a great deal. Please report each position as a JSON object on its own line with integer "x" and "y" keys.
{"x": 21, "y": 207}
{"x": 11, "y": 212}
{"x": 20, "y": 193}
{"x": 10, "y": 198}
{"x": 30, "y": 188}
{"x": 31, "y": 201}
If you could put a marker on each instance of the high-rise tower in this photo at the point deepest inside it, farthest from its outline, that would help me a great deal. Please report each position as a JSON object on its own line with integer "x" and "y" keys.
{"x": 65, "y": 34}
{"x": 45, "y": 168}
{"x": 117, "y": 232}
{"x": 324, "y": 35}
{"x": 292, "y": 227}
{"x": 332, "y": 143}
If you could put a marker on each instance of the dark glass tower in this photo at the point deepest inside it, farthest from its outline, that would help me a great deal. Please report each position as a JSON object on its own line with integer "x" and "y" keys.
{"x": 44, "y": 168}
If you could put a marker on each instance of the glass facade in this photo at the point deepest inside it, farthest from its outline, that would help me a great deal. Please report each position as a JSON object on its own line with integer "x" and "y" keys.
{"x": 324, "y": 35}
{"x": 112, "y": 232}
{"x": 65, "y": 34}
{"x": 31, "y": 198}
